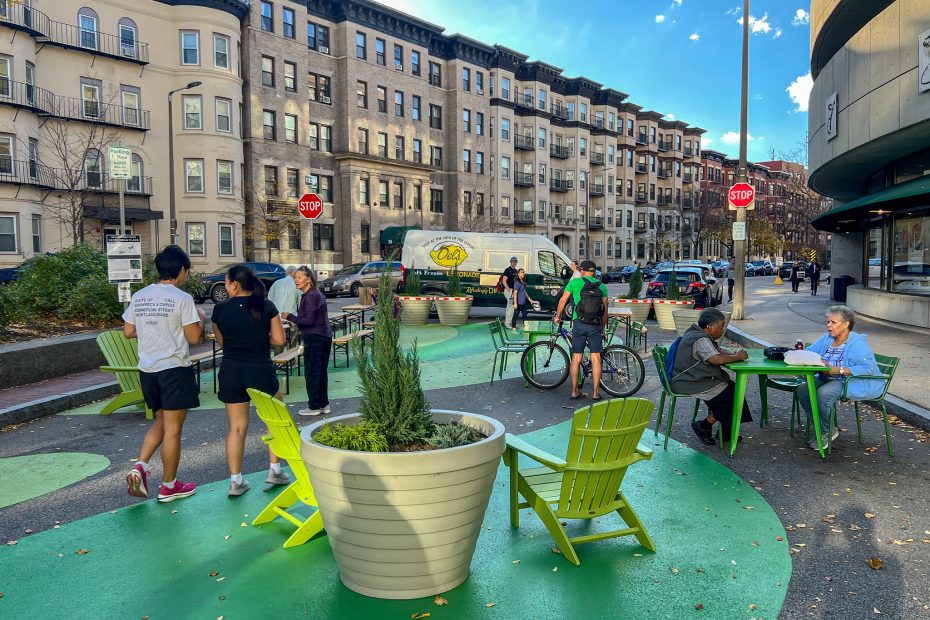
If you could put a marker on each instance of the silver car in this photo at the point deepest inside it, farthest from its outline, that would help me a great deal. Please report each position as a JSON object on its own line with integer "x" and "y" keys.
{"x": 349, "y": 279}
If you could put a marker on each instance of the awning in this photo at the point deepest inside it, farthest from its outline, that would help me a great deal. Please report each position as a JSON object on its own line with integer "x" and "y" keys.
{"x": 110, "y": 214}
{"x": 858, "y": 214}
{"x": 394, "y": 235}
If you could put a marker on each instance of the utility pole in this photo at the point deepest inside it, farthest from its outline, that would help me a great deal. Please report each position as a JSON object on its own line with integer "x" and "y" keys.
{"x": 743, "y": 173}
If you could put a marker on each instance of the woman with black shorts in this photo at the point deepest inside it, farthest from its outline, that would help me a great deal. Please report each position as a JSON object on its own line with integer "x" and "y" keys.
{"x": 246, "y": 326}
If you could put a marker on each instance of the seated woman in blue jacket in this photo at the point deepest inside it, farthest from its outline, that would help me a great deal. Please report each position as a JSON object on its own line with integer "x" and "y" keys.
{"x": 846, "y": 354}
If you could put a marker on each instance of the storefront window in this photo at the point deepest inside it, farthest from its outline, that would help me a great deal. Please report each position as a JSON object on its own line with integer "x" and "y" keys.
{"x": 875, "y": 255}
{"x": 911, "y": 269}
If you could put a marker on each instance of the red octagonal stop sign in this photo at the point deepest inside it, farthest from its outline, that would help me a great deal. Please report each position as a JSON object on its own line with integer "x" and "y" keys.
{"x": 741, "y": 195}
{"x": 310, "y": 206}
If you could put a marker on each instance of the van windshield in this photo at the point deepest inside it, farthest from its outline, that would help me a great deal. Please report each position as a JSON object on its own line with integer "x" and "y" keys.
{"x": 551, "y": 264}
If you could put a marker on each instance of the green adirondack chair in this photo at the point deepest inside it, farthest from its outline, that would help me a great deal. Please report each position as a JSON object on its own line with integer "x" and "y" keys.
{"x": 122, "y": 356}
{"x": 604, "y": 442}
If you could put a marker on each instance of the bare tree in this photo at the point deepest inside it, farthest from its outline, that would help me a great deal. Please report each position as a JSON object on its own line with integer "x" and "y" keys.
{"x": 266, "y": 222}
{"x": 473, "y": 213}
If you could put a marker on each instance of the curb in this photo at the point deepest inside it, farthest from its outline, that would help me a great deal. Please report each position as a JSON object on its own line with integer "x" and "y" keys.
{"x": 915, "y": 415}
{"x": 26, "y": 412}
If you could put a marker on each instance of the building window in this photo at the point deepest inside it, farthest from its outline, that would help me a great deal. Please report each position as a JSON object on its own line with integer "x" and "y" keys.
{"x": 271, "y": 181}
{"x": 288, "y": 26}
{"x": 505, "y": 167}
{"x": 290, "y": 178}
{"x": 130, "y": 106}
{"x": 418, "y": 197}
{"x": 363, "y": 187}
{"x": 268, "y": 124}
{"x": 466, "y": 160}
{"x": 435, "y": 116}
{"x": 8, "y": 234}
{"x": 383, "y": 194}
{"x": 382, "y": 144}
{"x": 313, "y": 136}
{"x": 290, "y": 128}
{"x": 505, "y": 129}
{"x": 220, "y": 52}
{"x": 361, "y": 46}
{"x": 363, "y": 140}
{"x": 192, "y": 112}
{"x": 267, "y": 71}
{"x": 6, "y": 154}
{"x": 326, "y": 138}
{"x": 365, "y": 239}
{"x": 267, "y": 13}
{"x": 415, "y": 62}
{"x": 417, "y": 150}
{"x": 435, "y": 201}
{"x": 435, "y": 156}
{"x": 227, "y": 241}
{"x": 479, "y": 123}
{"x": 398, "y": 103}
{"x": 398, "y": 195}
{"x": 382, "y": 99}
{"x": 435, "y": 74}
{"x": 90, "y": 99}
{"x": 379, "y": 52}
{"x": 398, "y": 57}
{"x": 326, "y": 188}
{"x": 479, "y": 82}
{"x": 36, "y": 234}
{"x": 93, "y": 168}
{"x": 318, "y": 88}
{"x": 505, "y": 92}
{"x": 416, "y": 113}
{"x": 318, "y": 37}
{"x": 196, "y": 239}
{"x": 400, "y": 151}
{"x": 361, "y": 94}
{"x": 290, "y": 77}
{"x": 223, "y": 115}
{"x": 466, "y": 79}
{"x": 466, "y": 120}
{"x": 128, "y": 46}
{"x": 542, "y": 138}
{"x": 323, "y": 237}
{"x": 224, "y": 172}
{"x": 87, "y": 21}
{"x": 479, "y": 162}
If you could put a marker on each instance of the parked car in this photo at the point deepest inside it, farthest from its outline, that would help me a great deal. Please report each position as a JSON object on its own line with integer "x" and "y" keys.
{"x": 763, "y": 267}
{"x": 11, "y": 274}
{"x": 214, "y": 283}
{"x": 912, "y": 278}
{"x": 349, "y": 279}
{"x": 720, "y": 267}
{"x": 691, "y": 283}
{"x": 750, "y": 270}
{"x": 620, "y": 274}
{"x": 784, "y": 272}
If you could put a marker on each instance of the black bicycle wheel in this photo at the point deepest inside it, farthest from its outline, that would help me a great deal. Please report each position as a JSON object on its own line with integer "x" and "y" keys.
{"x": 544, "y": 365}
{"x": 623, "y": 371}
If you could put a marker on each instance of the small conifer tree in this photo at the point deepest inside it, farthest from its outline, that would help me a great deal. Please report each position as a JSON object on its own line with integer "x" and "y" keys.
{"x": 636, "y": 285}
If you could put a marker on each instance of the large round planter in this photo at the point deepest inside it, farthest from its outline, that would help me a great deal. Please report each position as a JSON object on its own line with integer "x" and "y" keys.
{"x": 404, "y": 525}
{"x": 639, "y": 307}
{"x": 414, "y": 310}
{"x": 685, "y": 318}
{"x": 453, "y": 310}
{"x": 664, "y": 309}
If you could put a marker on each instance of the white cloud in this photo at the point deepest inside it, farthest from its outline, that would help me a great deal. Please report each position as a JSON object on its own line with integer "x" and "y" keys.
{"x": 677, "y": 2}
{"x": 732, "y": 137}
{"x": 800, "y": 91}
{"x": 757, "y": 25}
{"x": 777, "y": 33}
{"x": 734, "y": 11}
{"x": 695, "y": 37}
{"x": 670, "y": 117}
{"x": 801, "y": 18}
{"x": 706, "y": 142}
{"x": 758, "y": 97}
{"x": 660, "y": 19}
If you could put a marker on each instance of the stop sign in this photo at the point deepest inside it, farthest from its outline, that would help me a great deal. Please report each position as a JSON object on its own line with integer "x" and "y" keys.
{"x": 310, "y": 206}
{"x": 741, "y": 195}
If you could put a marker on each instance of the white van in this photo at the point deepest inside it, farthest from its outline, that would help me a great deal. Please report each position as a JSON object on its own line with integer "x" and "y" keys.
{"x": 481, "y": 258}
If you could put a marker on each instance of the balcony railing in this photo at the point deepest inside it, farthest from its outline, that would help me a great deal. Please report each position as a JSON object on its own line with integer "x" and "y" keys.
{"x": 22, "y": 95}
{"x": 663, "y": 201}
{"x": 597, "y": 158}
{"x": 664, "y": 174}
{"x": 641, "y": 138}
{"x": 640, "y": 168}
{"x": 640, "y": 196}
{"x": 559, "y": 111}
{"x": 524, "y": 101}
{"x": 560, "y": 185}
{"x": 25, "y": 173}
{"x": 527, "y": 143}
{"x": 34, "y": 173}
{"x": 596, "y": 189}
{"x": 524, "y": 218}
{"x": 596, "y": 223}
{"x": 21, "y": 17}
{"x": 560, "y": 152}
{"x": 45, "y": 102}
{"x": 598, "y": 122}
{"x": 640, "y": 227}
{"x": 523, "y": 179}
{"x": 665, "y": 146}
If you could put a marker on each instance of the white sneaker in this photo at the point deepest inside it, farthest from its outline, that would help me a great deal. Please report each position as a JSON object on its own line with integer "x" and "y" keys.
{"x": 813, "y": 442}
{"x": 326, "y": 410}
{"x": 310, "y": 412}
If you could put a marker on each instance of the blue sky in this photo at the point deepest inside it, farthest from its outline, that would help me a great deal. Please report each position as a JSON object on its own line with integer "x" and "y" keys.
{"x": 678, "y": 57}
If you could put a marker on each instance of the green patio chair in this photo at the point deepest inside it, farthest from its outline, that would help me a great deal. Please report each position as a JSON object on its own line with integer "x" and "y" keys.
{"x": 610, "y": 329}
{"x": 502, "y": 349}
{"x": 886, "y": 366}
{"x": 508, "y": 336}
{"x": 603, "y": 443}
{"x": 658, "y": 355}
{"x": 284, "y": 441}
{"x": 122, "y": 356}
{"x": 639, "y": 334}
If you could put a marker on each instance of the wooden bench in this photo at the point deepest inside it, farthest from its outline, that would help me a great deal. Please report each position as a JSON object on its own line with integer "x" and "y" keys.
{"x": 341, "y": 344}
{"x": 286, "y": 361}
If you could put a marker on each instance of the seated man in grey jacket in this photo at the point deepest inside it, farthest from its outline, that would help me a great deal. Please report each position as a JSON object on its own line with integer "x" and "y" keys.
{"x": 698, "y": 371}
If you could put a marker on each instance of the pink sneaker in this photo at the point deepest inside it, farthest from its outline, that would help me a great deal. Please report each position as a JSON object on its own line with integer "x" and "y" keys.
{"x": 137, "y": 481}
{"x": 180, "y": 489}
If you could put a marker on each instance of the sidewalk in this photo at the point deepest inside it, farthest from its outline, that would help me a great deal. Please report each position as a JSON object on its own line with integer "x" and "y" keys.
{"x": 776, "y": 315}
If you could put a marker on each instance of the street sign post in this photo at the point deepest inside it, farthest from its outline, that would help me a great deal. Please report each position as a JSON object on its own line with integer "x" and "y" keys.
{"x": 741, "y": 196}
{"x": 120, "y": 158}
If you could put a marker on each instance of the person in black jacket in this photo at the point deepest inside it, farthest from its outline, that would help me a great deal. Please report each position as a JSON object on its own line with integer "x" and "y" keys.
{"x": 796, "y": 275}
{"x": 813, "y": 272}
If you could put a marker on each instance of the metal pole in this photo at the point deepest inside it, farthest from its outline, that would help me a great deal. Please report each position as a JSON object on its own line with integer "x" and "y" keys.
{"x": 122, "y": 207}
{"x": 172, "y": 216}
{"x": 743, "y": 172}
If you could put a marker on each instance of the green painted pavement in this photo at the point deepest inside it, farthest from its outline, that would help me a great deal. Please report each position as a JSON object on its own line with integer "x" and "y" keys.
{"x": 38, "y": 474}
{"x": 716, "y": 543}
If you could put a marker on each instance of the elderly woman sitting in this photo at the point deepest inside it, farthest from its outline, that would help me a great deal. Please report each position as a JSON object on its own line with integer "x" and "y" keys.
{"x": 846, "y": 353}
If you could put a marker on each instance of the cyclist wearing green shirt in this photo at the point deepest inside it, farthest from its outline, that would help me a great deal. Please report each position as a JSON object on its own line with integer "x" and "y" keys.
{"x": 584, "y": 335}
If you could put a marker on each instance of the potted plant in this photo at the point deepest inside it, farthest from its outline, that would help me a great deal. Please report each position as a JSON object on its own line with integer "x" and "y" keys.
{"x": 402, "y": 488}
{"x": 673, "y": 301}
{"x": 414, "y": 307}
{"x": 453, "y": 309}
{"x": 639, "y": 307}
{"x": 684, "y": 318}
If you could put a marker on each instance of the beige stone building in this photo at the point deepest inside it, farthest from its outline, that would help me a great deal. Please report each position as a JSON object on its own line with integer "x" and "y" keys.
{"x": 78, "y": 77}
{"x": 396, "y": 124}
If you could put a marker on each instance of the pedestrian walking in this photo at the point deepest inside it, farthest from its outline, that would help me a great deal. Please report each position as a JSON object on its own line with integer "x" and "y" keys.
{"x": 521, "y": 298}
{"x": 285, "y": 297}
{"x": 313, "y": 321}
{"x": 245, "y": 326}
{"x": 813, "y": 272}
{"x": 165, "y": 321}
{"x": 589, "y": 323}
{"x": 731, "y": 278}
{"x": 796, "y": 273}
{"x": 507, "y": 278}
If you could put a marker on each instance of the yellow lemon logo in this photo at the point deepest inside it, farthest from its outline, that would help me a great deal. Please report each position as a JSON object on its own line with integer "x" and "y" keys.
{"x": 448, "y": 254}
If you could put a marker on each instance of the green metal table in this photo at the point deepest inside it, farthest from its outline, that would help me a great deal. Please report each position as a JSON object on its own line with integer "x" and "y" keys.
{"x": 538, "y": 330}
{"x": 759, "y": 365}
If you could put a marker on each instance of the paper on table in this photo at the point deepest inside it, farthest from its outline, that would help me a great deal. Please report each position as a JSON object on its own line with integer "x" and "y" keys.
{"x": 803, "y": 358}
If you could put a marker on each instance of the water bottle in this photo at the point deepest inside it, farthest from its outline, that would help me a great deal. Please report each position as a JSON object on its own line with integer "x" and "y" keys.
{"x": 798, "y": 345}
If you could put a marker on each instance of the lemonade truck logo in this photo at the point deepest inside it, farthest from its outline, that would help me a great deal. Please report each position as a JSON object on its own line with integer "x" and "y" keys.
{"x": 448, "y": 251}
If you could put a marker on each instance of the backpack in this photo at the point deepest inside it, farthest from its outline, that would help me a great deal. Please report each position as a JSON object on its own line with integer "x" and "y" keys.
{"x": 500, "y": 284}
{"x": 590, "y": 307}
{"x": 670, "y": 358}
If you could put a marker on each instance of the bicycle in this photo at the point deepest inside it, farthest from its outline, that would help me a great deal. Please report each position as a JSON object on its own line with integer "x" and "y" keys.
{"x": 545, "y": 365}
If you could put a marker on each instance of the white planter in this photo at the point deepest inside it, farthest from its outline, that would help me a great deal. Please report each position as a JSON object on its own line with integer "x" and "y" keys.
{"x": 639, "y": 307}
{"x": 664, "y": 309}
{"x": 453, "y": 310}
{"x": 684, "y": 319}
{"x": 404, "y": 525}
{"x": 414, "y": 310}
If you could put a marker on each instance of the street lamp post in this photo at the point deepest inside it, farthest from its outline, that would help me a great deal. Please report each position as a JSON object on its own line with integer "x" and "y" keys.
{"x": 172, "y": 214}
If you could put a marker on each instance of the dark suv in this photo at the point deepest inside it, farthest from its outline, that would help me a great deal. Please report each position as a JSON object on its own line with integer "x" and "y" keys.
{"x": 763, "y": 267}
{"x": 691, "y": 283}
{"x": 214, "y": 283}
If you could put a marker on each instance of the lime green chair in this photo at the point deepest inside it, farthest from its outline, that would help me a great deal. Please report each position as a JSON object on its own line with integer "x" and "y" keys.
{"x": 284, "y": 441}
{"x": 886, "y": 366}
{"x": 122, "y": 356}
{"x": 502, "y": 348}
{"x": 604, "y": 442}
{"x": 658, "y": 355}
{"x": 639, "y": 334}
{"x": 509, "y": 338}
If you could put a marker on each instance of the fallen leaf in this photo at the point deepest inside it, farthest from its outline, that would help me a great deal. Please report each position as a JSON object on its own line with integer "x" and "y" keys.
{"x": 779, "y": 538}
{"x": 801, "y": 544}
{"x": 639, "y": 555}
{"x": 897, "y": 542}
{"x": 875, "y": 609}
{"x": 516, "y": 561}
{"x": 875, "y": 563}
{"x": 440, "y": 601}
{"x": 733, "y": 562}
{"x": 801, "y": 525}
{"x": 674, "y": 570}
{"x": 831, "y": 519}
{"x": 226, "y": 537}
{"x": 792, "y": 551}
{"x": 12, "y": 542}
{"x": 869, "y": 515}
{"x": 699, "y": 607}
{"x": 854, "y": 527}
{"x": 790, "y": 528}
{"x": 747, "y": 507}
{"x": 489, "y": 605}
{"x": 28, "y": 531}
{"x": 214, "y": 573}
{"x": 836, "y": 531}
{"x": 417, "y": 616}
{"x": 555, "y": 569}
{"x": 556, "y": 550}
{"x": 752, "y": 606}
{"x": 243, "y": 524}
{"x": 81, "y": 552}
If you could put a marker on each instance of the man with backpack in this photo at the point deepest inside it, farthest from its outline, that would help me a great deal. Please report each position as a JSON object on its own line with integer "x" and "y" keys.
{"x": 589, "y": 323}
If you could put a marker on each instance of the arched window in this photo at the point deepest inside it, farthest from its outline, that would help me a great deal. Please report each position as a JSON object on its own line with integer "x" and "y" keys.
{"x": 93, "y": 168}
{"x": 610, "y": 246}
{"x": 128, "y": 38}
{"x": 581, "y": 247}
{"x": 88, "y": 28}
{"x": 134, "y": 182}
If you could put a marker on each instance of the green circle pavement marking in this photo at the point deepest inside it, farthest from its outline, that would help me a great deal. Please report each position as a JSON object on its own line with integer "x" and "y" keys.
{"x": 38, "y": 474}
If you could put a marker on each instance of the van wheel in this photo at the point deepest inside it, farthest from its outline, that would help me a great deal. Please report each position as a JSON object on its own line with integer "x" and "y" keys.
{"x": 353, "y": 290}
